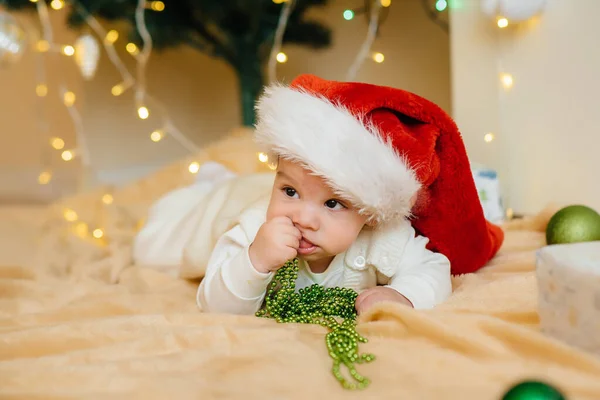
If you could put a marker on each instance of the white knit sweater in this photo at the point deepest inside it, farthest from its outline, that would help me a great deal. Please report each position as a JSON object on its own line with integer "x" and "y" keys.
{"x": 393, "y": 256}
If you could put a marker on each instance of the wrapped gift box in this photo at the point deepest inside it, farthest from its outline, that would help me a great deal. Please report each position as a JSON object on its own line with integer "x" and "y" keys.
{"x": 569, "y": 293}
{"x": 488, "y": 187}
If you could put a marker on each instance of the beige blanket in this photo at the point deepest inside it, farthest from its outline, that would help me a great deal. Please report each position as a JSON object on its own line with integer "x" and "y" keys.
{"x": 84, "y": 323}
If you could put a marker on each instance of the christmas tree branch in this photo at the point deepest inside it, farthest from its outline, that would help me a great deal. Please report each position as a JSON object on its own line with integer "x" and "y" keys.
{"x": 200, "y": 45}
{"x": 434, "y": 16}
{"x": 219, "y": 48}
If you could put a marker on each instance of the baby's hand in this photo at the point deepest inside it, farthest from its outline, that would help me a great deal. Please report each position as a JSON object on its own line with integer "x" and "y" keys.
{"x": 276, "y": 242}
{"x": 378, "y": 294}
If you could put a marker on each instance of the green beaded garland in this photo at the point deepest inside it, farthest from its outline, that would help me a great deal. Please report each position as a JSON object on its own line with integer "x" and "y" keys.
{"x": 533, "y": 390}
{"x": 319, "y": 305}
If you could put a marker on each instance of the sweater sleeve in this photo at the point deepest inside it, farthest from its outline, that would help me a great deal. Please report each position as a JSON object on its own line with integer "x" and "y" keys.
{"x": 422, "y": 276}
{"x": 232, "y": 285}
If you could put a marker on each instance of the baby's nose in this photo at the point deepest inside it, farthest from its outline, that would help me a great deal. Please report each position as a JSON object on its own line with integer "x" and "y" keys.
{"x": 306, "y": 217}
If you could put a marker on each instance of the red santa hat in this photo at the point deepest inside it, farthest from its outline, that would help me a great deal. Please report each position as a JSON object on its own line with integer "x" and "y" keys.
{"x": 391, "y": 153}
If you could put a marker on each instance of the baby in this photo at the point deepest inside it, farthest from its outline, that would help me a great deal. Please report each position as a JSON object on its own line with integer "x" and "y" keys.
{"x": 340, "y": 203}
{"x": 305, "y": 219}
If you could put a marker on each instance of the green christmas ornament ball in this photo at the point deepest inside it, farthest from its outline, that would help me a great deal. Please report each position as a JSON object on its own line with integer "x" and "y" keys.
{"x": 573, "y": 224}
{"x": 533, "y": 390}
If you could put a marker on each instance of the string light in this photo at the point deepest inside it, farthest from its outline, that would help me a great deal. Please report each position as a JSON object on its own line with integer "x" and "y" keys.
{"x": 81, "y": 229}
{"x": 111, "y": 37}
{"x": 142, "y": 59}
{"x": 348, "y": 15}
{"x": 507, "y": 80}
{"x": 70, "y": 215}
{"x": 378, "y": 57}
{"x": 107, "y": 198}
{"x": 127, "y": 78}
{"x": 57, "y": 4}
{"x": 82, "y": 148}
{"x": 279, "y": 1}
{"x": 68, "y": 50}
{"x": 386, "y": 3}
{"x": 42, "y": 46}
{"x": 276, "y": 55}
{"x": 156, "y": 136}
{"x": 132, "y": 49}
{"x": 57, "y": 143}
{"x": 510, "y": 213}
{"x": 143, "y": 112}
{"x": 363, "y": 52}
{"x": 41, "y": 90}
{"x": 281, "y": 57}
{"x": 141, "y": 96}
{"x": 194, "y": 167}
{"x": 69, "y": 98}
{"x": 33, "y": 1}
{"x": 67, "y": 155}
{"x": 502, "y": 22}
{"x": 45, "y": 177}
{"x": 117, "y": 90}
{"x": 98, "y": 233}
{"x": 157, "y": 5}
{"x": 488, "y": 137}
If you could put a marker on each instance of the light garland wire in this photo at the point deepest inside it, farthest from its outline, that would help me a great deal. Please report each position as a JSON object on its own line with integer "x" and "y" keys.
{"x": 141, "y": 94}
{"x": 83, "y": 150}
{"x": 67, "y": 97}
{"x": 128, "y": 81}
{"x": 127, "y": 78}
{"x": 45, "y": 175}
{"x": 144, "y": 55}
{"x": 368, "y": 42}
{"x": 286, "y": 10}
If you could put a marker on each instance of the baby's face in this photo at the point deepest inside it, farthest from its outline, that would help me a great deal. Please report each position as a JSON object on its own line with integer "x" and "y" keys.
{"x": 328, "y": 225}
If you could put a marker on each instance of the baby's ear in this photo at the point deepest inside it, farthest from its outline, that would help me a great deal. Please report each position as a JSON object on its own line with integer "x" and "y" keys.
{"x": 371, "y": 222}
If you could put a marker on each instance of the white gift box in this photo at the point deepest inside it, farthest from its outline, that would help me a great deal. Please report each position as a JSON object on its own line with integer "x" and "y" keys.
{"x": 569, "y": 293}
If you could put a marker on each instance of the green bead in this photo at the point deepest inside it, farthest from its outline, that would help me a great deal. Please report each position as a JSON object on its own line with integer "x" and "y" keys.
{"x": 533, "y": 390}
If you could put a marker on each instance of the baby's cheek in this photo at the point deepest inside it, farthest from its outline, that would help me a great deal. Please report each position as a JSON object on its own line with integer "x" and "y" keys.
{"x": 346, "y": 234}
{"x": 339, "y": 241}
{"x": 277, "y": 209}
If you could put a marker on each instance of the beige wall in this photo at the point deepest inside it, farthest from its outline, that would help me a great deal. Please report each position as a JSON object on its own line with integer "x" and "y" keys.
{"x": 548, "y": 125}
{"x": 201, "y": 95}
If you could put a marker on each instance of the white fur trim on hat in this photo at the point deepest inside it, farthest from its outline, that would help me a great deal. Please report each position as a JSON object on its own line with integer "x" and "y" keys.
{"x": 349, "y": 155}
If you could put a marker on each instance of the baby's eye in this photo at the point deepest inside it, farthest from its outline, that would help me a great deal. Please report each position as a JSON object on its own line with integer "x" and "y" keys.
{"x": 334, "y": 204}
{"x": 290, "y": 192}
